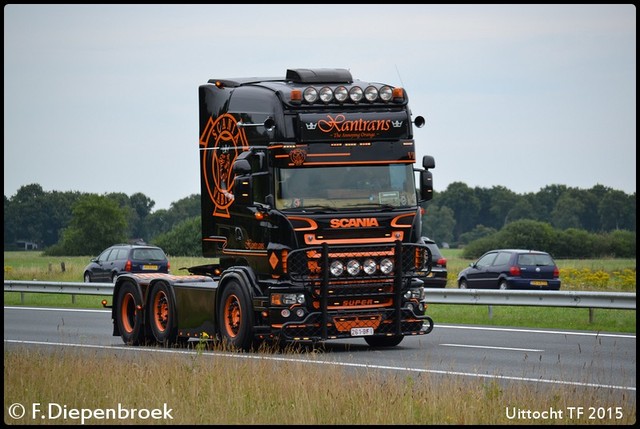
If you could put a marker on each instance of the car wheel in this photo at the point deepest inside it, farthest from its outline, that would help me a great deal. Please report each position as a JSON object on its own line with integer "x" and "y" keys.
{"x": 235, "y": 317}
{"x": 87, "y": 278}
{"x": 162, "y": 315}
{"x": 114, "y": 277}
{"x": 503, "y": 285}
{"x": 128, "y": 315}
{"x": 462, "y": 284}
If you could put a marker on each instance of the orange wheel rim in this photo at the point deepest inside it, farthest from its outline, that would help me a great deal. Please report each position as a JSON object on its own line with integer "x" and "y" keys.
{"x": 232, "y": 315}
{"x": 161, "y": 311}
{"x": 128, "y": 312}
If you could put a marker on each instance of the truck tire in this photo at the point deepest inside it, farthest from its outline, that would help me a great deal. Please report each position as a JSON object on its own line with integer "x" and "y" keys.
{"x": 384, "y": 341}
{"x": 128, "y": 317}
{"x": 235, "y": 317}
{"x": 162, "y": 314}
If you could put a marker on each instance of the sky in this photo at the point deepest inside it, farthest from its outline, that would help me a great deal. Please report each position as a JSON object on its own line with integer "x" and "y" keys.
{"x": 104, "y": 98}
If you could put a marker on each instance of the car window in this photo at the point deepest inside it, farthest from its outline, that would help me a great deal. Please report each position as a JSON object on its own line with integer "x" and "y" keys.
{"x": 435, "y": 252}
{"x": 486, "y": 260}
{"x": 140, "y": 254}
{"x": 526, "y": 260}
{"x": 148, "y": 254}
{"x": 104, "y": 255}
{"x": 156, "y": 255}
{"x": 122, "y": 254}
{"x": 113, "y": 255}
{"x": 543, "y": 260}
{"x": 502, "y": 258}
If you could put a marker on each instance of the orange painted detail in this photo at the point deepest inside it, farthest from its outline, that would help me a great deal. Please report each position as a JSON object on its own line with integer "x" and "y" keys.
{"x": 395, "y": 235}
{"x": 312, "y": 223}
{"x": 222, "y": 141}
{"x": 273, "y": 260}
{"x": 397, "y": 222}
{"x": 344, "y": 324}
{"x": 359, "y": 304}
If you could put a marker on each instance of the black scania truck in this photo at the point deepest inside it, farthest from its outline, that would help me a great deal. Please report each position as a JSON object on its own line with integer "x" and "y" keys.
{"x": 310, "y": 215}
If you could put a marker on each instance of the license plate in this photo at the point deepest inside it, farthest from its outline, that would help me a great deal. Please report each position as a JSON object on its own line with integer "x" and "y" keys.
{"x": 538, "y": 283}
{"x": 149, "y": 267}
{"x": 359, "y": 332}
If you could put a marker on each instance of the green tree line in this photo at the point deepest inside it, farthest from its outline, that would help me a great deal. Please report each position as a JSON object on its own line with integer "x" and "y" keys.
{"x": 573, "y": 222}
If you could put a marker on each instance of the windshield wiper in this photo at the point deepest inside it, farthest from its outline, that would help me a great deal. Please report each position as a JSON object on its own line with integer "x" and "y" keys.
{"x": 314, "y": 206}
{"x": 371, "y": 204}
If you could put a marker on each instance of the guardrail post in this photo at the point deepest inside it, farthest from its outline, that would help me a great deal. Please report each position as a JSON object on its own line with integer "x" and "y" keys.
{"x": 592, "y": 314}
{"x": 73, "y": 298}
{"x": 490, "y": 311}
{"x": 21, "y": 297}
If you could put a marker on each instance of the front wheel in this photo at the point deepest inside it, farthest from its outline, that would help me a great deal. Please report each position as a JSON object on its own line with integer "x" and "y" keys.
{"x": 384, "y": 341}
{"x": 87, "y": 277}
{"x": 162, "y": 314}
{"x": 235, "y": 317}
{"x": 462, "y": 284}
{"x": 129, "y": 315}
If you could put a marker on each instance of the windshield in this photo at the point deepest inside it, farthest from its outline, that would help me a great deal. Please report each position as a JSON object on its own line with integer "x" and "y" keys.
{"x": 346, "y": 187}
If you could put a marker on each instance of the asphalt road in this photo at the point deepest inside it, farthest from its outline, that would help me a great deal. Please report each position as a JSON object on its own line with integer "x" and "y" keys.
{"x": 507, "y": 354}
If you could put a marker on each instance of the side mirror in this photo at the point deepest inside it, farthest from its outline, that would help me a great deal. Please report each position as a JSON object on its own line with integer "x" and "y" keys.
{"x": 426, "y": 185}
{"x": 428, "y": 162}
{"x": 241, "y": 167}
{"x": 243, "y": 190}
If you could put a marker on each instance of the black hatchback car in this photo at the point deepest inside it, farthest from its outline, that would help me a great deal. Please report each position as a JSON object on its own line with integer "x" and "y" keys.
{"x": 438, "y": 275}
{"x": 130, "y": 258}
{"x": 511, "y": 269}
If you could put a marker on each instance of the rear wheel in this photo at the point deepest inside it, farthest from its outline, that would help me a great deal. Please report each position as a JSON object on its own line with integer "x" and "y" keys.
{"x": 384, "y": 341}
{"x": 128, "y": 318}
{"x": 235, "y": 317}
{"x": 503, "y": 285}
{"x": 162, "y": 314}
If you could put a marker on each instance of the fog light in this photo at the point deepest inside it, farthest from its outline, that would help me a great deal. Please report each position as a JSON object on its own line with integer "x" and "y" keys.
{"x": 386, "y": 266}
{"x": 369, "y": 266}
{"x": 336, "y": 268}
{"x": 353, "y": 267}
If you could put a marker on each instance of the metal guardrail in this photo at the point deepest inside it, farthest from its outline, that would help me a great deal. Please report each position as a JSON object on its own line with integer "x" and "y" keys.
{"x": 577, "y": 299}
{"x": 541, "y": 298}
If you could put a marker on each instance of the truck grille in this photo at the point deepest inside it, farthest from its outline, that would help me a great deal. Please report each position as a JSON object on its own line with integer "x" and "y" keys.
{"x": 356, "y": 287}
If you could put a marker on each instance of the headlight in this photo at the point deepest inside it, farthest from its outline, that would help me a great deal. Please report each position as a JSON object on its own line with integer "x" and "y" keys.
{"x": 310, "y": 95}
{"x": 355, "y": 94}
{"x": 371, "y": 93}
{"x": 386, "y": 266}
{"x": 287, "y": 298}
{"x": 353, "y": 267}
{"x": 341, "y": 94}
{"x": 369, "y": 266}
{"x": 386, "y": 93}
{"x": 336, "y": 268}
{"x": 326, "y": 95}
{"x": 416, "y": 293}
